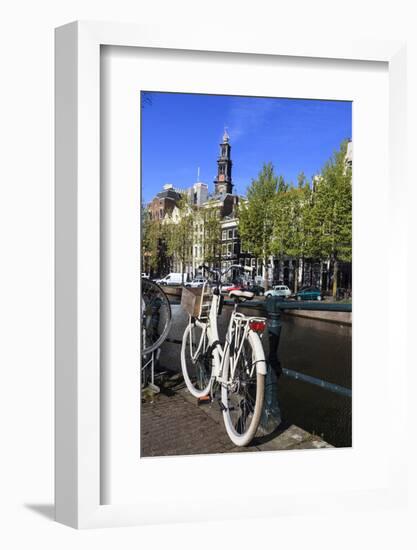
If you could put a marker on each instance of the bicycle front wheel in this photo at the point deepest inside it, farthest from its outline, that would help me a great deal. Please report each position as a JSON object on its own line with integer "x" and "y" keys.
{"x": 196, "y": 360}
{"x": 243, "y": 394}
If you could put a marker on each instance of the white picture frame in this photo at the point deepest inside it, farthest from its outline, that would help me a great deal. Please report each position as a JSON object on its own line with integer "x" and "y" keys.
{"x": 78, "y": 426}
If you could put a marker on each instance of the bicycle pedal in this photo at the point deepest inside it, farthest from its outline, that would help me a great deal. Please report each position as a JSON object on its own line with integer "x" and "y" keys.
{"x": 206, "y": 400}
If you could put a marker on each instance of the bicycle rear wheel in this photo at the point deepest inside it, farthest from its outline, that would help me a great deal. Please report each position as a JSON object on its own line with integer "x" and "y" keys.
{"x": 196, "y": 361}
{"x": 156, "y": 316}
{"x": 243, "y": 394}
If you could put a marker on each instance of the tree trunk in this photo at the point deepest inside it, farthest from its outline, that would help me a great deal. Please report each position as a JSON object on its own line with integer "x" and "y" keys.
{"x": 335, "y": 277}
{"x": 302, "y": 271}
{"x": 265, "y": 274}
{"x": 321, "y": 276}
{"x": 297, "y": 265}
{"x": 329, "y": 279}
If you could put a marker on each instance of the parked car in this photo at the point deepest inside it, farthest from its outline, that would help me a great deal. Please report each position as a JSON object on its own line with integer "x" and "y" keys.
{"x": 309, "y": 293}
{"x": 172, "y": 279}
{"x": 198, "y": 282}
{"x": 278, "y": 290}
{"x": 257, "y": 289}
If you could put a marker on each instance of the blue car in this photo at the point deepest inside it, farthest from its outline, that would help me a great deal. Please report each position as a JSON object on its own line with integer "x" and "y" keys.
{"x": 309, "y": 293}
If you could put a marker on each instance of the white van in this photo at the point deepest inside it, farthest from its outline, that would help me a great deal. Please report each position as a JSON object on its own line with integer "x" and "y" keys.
{"x": 198, "y": 282}
{"x": 172, "y": 279}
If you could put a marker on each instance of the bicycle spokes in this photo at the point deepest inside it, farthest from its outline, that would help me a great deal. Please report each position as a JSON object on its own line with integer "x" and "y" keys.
{"x": 197, "y": 358}
{"x": 155, "y": 316}
{"x": 242, "y": 400}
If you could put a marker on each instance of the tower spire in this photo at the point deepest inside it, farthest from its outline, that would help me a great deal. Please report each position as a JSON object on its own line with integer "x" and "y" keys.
{"x": 223, "y": 182}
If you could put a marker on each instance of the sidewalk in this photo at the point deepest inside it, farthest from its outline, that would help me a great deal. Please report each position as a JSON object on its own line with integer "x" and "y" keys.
{"x": 173, "y": 423}
{"x": 173, "y": 426}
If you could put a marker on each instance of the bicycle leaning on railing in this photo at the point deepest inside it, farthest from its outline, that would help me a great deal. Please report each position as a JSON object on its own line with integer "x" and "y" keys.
{"x": 155, "y": 325}
{"x": 237, "y": 367}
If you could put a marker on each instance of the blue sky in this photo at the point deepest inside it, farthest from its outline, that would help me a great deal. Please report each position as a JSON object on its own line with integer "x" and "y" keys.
{"x": 181, "y": 132}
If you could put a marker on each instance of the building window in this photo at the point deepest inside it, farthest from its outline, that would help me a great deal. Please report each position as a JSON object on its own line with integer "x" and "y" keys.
{"x": 223, "y": 235}
{"x": 230, "y": 235}
{"x": 160, "y": 213}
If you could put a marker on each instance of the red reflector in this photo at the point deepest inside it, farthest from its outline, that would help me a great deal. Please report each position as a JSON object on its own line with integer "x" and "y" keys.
{"x": 257, "y": 326}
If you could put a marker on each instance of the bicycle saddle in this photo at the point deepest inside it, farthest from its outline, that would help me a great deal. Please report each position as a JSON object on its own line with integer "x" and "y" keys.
{"x": 241, "y": 294}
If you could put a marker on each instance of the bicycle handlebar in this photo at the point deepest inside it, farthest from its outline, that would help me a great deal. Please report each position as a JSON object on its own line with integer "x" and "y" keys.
{"x": 211, "y": 271}
{"x": 219, "y": 274}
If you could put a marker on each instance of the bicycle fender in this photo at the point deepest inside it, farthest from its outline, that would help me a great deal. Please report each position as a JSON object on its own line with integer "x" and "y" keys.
{"x": 259, "y": 352}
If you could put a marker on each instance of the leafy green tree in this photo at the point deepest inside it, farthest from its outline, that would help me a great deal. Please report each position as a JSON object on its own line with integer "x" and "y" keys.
{"x": 291, "y": 224}
{"x": 211, "y": 236}
{"x": 256, "y": 215}
{"x": 179, "y": 234}
{"x": 151, "y": 241}
{"x": 302, "y": 222}
{"x": 331, "y": 216}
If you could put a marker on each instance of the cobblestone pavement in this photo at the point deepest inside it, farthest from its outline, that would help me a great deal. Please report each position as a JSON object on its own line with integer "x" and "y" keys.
{"x": 173, "y": 426}
{"x": 172, "y": 423}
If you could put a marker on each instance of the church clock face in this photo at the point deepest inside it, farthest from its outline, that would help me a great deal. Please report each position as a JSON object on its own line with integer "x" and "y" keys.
{"x": 221, "y": 177}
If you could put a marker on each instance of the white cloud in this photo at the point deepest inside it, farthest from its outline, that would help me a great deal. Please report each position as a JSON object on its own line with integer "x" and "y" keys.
{"x": 247, "y": 116}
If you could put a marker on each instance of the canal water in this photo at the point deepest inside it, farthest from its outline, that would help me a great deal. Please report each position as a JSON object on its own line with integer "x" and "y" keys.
{"x": 317, "y": 348}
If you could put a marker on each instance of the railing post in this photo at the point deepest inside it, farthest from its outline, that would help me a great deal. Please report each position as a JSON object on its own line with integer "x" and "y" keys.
{"x": 271, "y": 417}
{"x": 273, "y": 310}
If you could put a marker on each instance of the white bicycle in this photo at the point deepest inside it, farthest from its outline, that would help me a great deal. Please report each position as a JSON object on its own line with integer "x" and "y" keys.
{"x": 238, "y": 367}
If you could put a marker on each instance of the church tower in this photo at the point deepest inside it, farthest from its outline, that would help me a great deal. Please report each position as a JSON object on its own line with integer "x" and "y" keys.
{"x": 223, "y": 182}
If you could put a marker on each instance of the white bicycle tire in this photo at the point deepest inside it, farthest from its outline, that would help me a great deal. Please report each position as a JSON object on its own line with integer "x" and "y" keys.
{"x": 190, "y": 386}
{"x": 242, "y": 440}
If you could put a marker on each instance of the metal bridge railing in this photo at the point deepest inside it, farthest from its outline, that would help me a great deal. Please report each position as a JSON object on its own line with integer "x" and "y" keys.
{"x": 281, "y": 304}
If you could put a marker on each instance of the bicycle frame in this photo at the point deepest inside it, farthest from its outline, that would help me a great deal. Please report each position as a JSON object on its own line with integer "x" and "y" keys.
{"x": 239, "y": 326}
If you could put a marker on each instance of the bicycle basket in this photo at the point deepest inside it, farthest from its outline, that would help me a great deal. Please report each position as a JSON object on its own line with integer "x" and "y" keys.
{"x": 196, "y": 301}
